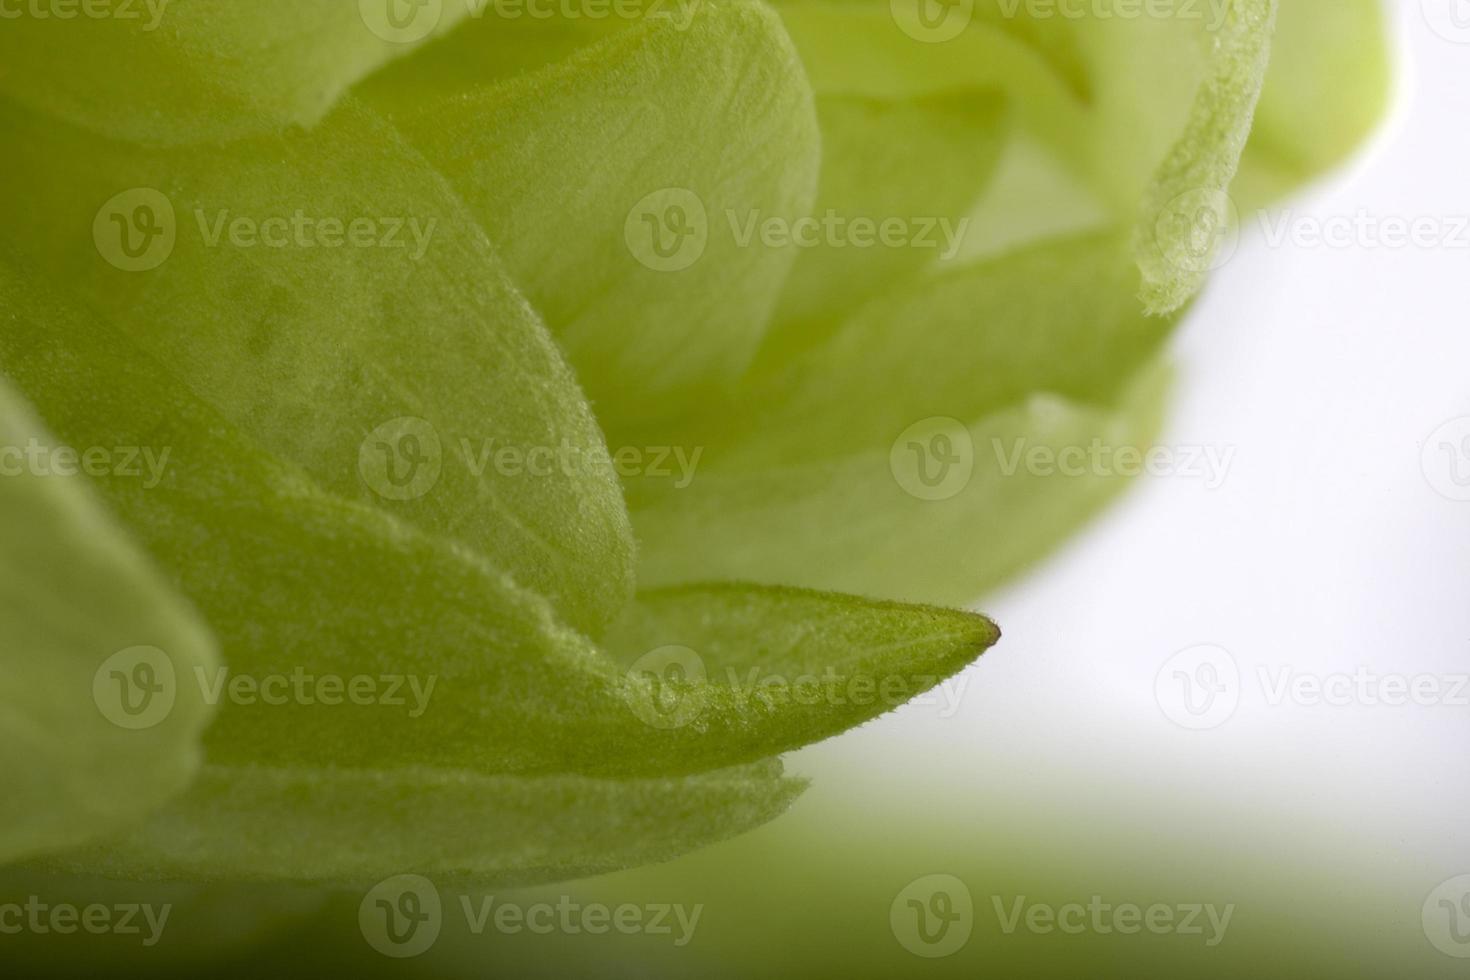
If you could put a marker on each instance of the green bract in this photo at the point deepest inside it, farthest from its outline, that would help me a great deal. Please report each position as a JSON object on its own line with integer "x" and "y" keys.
{"x": 90, "y": 632}
{"x": 540, "y": 446}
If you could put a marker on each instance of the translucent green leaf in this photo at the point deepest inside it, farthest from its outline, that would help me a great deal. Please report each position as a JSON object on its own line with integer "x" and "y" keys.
{"x": 1150, "y": 112}
{"x": 396, "y": 365}
{"x": 1327, "y": 86}
{"x": 771, "y": 669}
{"x": 473, "y": 671}
{"x": 1185, "y": 204}
{"x": 190, "y": 71}
{"x": 96, "y": 727}
{"x": 621, "y": 185}
{"x": 884, "y": 463}
{"x": 293, "y": 580}
{"x": 342, "y": 825}
{"x": 859, "y": 49}
{"x": 910, "y": 169}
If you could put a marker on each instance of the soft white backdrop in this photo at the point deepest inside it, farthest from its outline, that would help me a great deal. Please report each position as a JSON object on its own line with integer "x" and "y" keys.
{"x": 1326, "y": 549}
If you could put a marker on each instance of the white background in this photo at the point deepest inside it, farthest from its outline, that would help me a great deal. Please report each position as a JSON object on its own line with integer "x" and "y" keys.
{"x": 1327, "y": 549}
